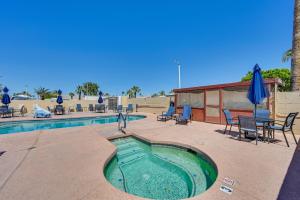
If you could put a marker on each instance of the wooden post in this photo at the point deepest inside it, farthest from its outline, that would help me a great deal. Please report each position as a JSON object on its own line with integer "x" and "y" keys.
{"x": 220, "y": 104}
{"x": 204, "y": 105}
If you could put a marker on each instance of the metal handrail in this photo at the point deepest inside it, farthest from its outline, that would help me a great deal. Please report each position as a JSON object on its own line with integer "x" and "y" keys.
{"x": 122, "y": 118}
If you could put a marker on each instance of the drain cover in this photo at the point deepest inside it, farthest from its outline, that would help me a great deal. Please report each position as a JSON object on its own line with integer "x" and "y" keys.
{"x": 226, "y": 189}
{"x": 228, "y": 181}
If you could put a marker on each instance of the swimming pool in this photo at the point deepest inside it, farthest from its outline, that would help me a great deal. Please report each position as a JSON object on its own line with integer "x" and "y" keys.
{"x": 159, "y": 171}
{"x": 32, "y": 125}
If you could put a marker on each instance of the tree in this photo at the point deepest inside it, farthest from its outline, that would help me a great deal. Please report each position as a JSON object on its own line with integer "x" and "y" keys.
{"x": 283, "y": 74}
{"x": 23, "y": 93}
{"x": 287, "y": 55}
{"x": 90, "y": 88}
{"x": 79, "y": 91}
{"x": 154, "y": 95}
{"x": 71, "y": 94}
{"x": 295, "y": 70}
{"x": 42, "y": 92}
{"x": 134, "y": 91}
{"x": 162, "y": 93}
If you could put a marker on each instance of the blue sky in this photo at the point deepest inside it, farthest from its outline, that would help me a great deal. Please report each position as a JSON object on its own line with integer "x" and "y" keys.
{"x": 60, "y": 44}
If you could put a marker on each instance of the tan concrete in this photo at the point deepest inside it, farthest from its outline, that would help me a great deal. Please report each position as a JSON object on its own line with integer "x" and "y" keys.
{"x": 68, "y": 163}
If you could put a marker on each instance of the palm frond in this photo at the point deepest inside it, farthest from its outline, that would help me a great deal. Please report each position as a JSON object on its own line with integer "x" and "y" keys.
{"x": 287, "y": 55}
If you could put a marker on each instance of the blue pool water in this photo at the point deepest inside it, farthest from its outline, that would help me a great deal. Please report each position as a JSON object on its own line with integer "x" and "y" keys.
{"x": 32, "y": 125}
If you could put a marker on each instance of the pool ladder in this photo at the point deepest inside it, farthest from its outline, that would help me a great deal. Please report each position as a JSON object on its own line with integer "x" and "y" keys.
{"x": 121, "y": 118}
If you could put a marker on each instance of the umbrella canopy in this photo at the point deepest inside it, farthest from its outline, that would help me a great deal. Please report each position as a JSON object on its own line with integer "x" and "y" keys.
{"x": 5, "y": 98}
{"x": 59, "y": 99}
{"x": 100, "y": 100}
{"x": 257, "y": 91}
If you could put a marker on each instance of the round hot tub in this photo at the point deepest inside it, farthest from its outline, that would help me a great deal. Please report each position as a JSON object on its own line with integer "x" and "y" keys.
{"x": 159, "y": 171}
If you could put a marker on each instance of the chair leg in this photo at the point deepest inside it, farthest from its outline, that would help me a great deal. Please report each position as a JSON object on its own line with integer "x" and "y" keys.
{"x": 230, "y": 129}
{"x": 287, "y": 143}
{"x": 294, "y": 136}
{"x": 225, "y": 129}
{"x": 256, "y": 137}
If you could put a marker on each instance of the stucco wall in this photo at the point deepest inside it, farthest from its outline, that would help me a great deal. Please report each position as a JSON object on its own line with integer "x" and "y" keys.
{"x": 154, "y": 105}
{"x": 287, "y": 102}
{"x": 44, "y": 103}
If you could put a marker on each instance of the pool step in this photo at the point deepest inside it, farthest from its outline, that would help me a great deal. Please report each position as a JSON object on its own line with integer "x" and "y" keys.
{"x": 122, "y": 141}
{"x": 127, "y": 145}
{"x": 129, "y": 152}
{"x": 133, "y": 157}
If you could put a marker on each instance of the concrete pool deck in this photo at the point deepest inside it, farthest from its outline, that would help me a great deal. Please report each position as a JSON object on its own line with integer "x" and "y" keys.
{"x": 68, "y": 163}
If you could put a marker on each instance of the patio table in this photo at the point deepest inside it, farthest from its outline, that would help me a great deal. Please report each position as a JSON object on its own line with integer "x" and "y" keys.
{"x": 266, "y": 123}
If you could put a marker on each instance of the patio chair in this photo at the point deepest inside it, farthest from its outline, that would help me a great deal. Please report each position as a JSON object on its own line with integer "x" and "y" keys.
{"x": 59, "y": 110}
{"x": 5, "y": 111}
{"x": 230, "y": 121}
{"x": 119, "y": 108}
{"x": 100, "y": 108}
{"x": 79, "y": 108}
{"x": 166, "y": 115}
{"x": 247, "y": 125}
{"x": 185, "y": 116}
{"x": 129, "y": 108}
{"x": 284, "y": 126}
{"x": 262, "y": 113}
{"x": 20, "y": 111}
{"x": 91, "y": 107}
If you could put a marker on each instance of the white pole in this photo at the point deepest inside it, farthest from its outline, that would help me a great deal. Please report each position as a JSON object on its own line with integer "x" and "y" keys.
{"x": 179, "y": 76}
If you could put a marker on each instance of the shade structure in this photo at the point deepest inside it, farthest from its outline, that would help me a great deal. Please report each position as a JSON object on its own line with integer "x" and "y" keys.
{"x": 5, "y": 98}
{"x": 100, "y": 99}
{"x": 257, "y": 90}
{"x": 59, "y": 99}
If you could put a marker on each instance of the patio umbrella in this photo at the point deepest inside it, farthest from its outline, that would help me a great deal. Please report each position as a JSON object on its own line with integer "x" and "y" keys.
{"x": 100, "y": 100}
{"x": 59, "y": 99}
{"x": 5, "y": 98}
{"x": 257, "y": 91}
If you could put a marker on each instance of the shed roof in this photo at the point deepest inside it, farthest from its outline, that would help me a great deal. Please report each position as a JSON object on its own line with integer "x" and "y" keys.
{"x": 271, "y": 81}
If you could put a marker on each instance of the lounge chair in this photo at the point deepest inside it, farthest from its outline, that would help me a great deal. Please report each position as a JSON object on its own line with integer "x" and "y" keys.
{"x": 5, "y": 111}
{"x": 100, "y": 108}
{"x": 119, "y": 108}
{"x": 79, "y": 108}
{"x": 91, "y": 107}
{"x": 129, "y": 108}
{"x": 166, "y": 115}
{"x": 39, "y": 112}
{"x": 230, "y": 121}
{"x": 247, "y": 125}
{"x": 284, "y": 126}
{"x": 59, "y": 110}
{"x": 185, "y": 116}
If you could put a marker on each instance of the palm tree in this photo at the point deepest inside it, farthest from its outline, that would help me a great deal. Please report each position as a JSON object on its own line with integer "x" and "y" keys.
{"x": 296, "y": 48}
{"x": 79, "y": 91}
{"x": 287, "y": 55}
{"x": 42, "y": 92}
{"x": 71, "y": 94}
{"x": 135, "y": 90}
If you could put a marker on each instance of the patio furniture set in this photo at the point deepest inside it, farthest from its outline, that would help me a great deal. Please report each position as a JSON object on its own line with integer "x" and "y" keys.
{"x": 181, "y": 118}
{"x": 261, "y": 121}
{"x": 6, "y": 111}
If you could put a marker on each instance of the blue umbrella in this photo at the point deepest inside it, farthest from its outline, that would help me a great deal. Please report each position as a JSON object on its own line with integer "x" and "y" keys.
{"x": 257, "y": 91}
{"x": 5, "y": 98}
{"x": 100, "y": 100}
{"x": 59, "y": 99}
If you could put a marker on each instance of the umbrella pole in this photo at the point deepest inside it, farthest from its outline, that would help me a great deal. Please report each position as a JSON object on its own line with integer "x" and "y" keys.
{"x": 255, "y": 111}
